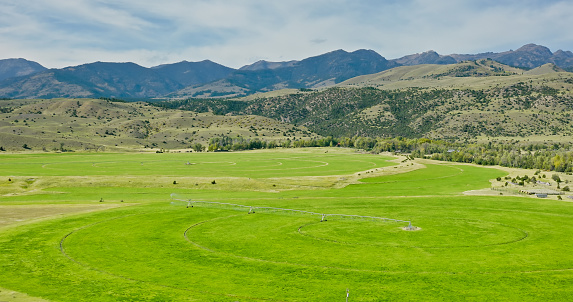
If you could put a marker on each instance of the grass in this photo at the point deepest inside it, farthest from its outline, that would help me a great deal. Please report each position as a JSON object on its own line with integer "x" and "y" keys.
{"x": 255, "y": 164}
{"x": 467, "y": 247}
{"x": 427, "y": 76}
{"x": 99, "y": 125}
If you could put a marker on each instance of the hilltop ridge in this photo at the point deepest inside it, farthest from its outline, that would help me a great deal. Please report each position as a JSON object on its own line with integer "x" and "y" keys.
{"x": 207, "y": 79}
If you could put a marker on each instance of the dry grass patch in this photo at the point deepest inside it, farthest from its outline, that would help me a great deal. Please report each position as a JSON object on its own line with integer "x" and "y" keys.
{"x": 14, "y": 215}
{"x": 7, "y": 295}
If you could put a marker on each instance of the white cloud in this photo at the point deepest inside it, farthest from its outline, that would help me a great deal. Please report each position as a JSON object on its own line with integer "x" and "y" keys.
{"x": 60, "y": 33}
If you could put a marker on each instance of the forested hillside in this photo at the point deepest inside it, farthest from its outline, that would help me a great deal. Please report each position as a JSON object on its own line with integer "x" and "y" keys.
{"x": 521, "y": 109}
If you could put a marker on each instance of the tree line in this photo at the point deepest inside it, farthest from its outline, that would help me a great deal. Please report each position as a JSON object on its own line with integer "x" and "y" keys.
{"x": 516, "y": 154}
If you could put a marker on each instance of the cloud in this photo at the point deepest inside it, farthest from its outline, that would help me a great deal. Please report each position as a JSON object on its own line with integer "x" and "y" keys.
{"x": 318, "y": 41}
{"x": 60, "y": 33}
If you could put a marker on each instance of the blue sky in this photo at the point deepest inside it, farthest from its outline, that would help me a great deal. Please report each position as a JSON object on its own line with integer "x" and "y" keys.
{"x": 60, "y": 33}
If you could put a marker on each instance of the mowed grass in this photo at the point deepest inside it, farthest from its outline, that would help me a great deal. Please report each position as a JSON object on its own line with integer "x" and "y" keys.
{"x": 466, "y": 248}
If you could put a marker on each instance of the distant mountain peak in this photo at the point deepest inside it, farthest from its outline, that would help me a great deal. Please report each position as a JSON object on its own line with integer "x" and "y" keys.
{"x": 365, "y": 51}
{"x": 528, "y": 56}
{"x": 262, "y": 64}
{"x": 561, "y": 53}
{"x": 10, "y": 68}
{"x": 427, "y": 57}
{"x": 535, "y": 49}
{"x": 335, "y": 51}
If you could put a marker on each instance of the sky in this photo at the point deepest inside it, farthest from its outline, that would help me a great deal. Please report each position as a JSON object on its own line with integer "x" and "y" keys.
{"x": 61, "y": 33}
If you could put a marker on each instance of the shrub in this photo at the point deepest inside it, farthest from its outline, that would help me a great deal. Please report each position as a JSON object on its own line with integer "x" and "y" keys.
{"x": 198, "y": 147}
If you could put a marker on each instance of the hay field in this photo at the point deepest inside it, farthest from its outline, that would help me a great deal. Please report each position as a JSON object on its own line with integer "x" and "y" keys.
{"x": 146, "y": 246}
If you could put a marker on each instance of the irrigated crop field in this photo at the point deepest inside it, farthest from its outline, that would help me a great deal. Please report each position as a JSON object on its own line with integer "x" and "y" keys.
{"x": 106, "y": 227}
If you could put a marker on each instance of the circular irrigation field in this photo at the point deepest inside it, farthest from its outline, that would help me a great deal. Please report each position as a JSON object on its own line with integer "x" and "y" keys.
{"x": 463, "y": 248}
{"x": 232, "y": 164}
{"x": 229, "y": 255}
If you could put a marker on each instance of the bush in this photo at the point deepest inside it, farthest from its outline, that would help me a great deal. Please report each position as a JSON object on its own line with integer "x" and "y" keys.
{"x": 556, "y": 177}
{"x": 198, "y": 147}
{"x": 566, "y": 189}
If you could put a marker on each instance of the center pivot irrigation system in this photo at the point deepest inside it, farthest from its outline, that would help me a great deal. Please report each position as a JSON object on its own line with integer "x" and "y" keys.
{"x": 253, "y": 209}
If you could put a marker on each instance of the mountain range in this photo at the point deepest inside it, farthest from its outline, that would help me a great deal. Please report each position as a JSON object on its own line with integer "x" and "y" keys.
{"x": 20, "y": 78}
{"x": 466, "y": 100}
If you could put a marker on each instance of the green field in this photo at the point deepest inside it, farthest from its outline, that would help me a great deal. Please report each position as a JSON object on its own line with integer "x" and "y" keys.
{"x": 102, "y": 227}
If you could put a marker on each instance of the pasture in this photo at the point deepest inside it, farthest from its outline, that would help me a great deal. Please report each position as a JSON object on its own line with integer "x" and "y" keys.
{"x": 102, "y": 227}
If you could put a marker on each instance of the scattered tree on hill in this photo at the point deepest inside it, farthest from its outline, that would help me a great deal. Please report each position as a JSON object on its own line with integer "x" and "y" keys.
{"x": 198, "y": 147}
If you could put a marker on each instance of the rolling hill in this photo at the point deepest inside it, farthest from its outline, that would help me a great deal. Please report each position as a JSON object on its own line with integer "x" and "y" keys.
{"x": 96, "y": 124}
{"x": 465, "y": 101}
{"x": 458, "y": 101}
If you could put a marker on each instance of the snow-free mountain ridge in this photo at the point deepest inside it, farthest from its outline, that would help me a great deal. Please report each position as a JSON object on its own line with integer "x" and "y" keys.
{"x": 20, "y": 78}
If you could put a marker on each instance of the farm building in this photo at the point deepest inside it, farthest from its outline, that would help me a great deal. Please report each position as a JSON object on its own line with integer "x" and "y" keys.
{"x": 540, "y": 192}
